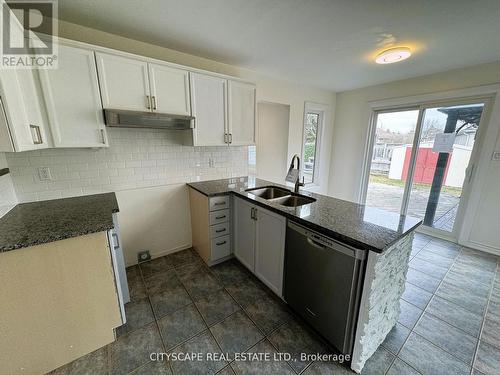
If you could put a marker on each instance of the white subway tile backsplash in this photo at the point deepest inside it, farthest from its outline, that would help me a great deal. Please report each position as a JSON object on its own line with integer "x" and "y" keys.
{"x": 135, "y": 159}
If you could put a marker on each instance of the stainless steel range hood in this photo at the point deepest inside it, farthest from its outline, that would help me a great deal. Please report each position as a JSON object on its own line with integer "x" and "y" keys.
{"x": 132, "y": 119}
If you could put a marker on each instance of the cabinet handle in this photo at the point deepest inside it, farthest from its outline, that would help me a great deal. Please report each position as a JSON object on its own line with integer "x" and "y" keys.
{"x": 153, "y": 98}
{"x": 230, "y": 138}
{"x": 220, "y": 243}
{"x": 255, "y": 214}
{"x": 36, "y": 135}
{"x": 116, "y": 239}
{"x": 219, "y": 203}
{"x": 220, "y": 217}
{"x": 103, "y": 136}
{"x": 220, "y": 230}
{"x": 225, "y": 138}
{"x": 148, "y": 102}
{"x": 252, "y": 213}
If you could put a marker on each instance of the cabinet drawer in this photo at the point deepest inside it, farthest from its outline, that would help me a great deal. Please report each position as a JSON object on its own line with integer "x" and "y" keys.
{"x": 218, "y": 217}
{"x": 220, "y": 230}
{"x": 221, "y": 247}
{"x": 219, "y": 203}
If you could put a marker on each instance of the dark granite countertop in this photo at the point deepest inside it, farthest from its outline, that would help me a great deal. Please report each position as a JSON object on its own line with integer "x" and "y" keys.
{"x": 360, "y": 226}
{"x": 35, "y": 223}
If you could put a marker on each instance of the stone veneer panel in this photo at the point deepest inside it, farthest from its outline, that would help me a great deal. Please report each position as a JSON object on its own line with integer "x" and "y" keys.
{"x": 384, "y": 285}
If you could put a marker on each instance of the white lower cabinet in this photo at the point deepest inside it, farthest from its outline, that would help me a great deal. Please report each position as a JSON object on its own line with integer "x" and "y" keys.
{"x": 259, "y": 242}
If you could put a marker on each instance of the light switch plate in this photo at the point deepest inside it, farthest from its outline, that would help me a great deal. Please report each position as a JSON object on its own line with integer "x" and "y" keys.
{"x": 496, "y": 156}
{"x": 44, "y": 173}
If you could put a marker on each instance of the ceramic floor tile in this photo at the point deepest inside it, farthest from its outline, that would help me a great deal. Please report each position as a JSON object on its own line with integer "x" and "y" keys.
{"x": 168, "y": 301}
{"x": 216, "y": 307}
{"x": 136, "y": 288}
{"x": 138, "y": 313}
{"x": 446, "y": 252}
{"x": 466, "y": 283}
{"x": 491, "y": 332}
{"x": 191, "y": 270}
{"x": 379, "y": 362}
{"x": 202, "y": 285}
{"x": 401, "y": 368}
{"x": 416, "y": 296}
{"x": 268, "y": 313}
{"x": 153, "y": 368}
{"x": 395, "y": 338}
{"x": 161, "y": 281}
{"x": 155, "y": 266}
{"x": 294, "y": 338}
{"x": 455, "y": 315}
{"x": 465, "y": 298}
{"x": 435, "y": 258}
{"x": 246, "y": 292}
{"x": 447, "y": 337}
{"x": 203, "y": 343}
{"x": 92, "y": 363}
{"x": 428, "y": 268}
{"x": 226, "y": 371}
{"x": 180, "y": 326}
{"x": 409, "y": 314}
{"x": 271, "y": 365}
{"x": 133, "y": 272}
{"x": 230, "y": 272}
{"x": 132, "y": 350}
{"x": 422, "y": 280}
{"x": 184, "y": 257}
{"x": 236, "y": 333}
{"x": 487, "y": 359}
{"x": 429, "y": 359}
{"x": 328, "y": 368}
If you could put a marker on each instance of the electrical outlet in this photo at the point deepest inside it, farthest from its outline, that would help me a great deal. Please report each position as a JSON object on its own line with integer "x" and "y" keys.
{"x": 143, "y": 256}
{"x": 496, "y": 156}
{"x": 211, "y": 162}
{"x": 44, "y": 174}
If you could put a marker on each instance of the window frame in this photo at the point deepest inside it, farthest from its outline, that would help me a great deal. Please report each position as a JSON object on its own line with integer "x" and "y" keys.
{"x": 311, "y": 108}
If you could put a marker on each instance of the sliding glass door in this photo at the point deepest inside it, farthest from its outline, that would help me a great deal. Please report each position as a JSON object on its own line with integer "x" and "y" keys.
{"x": 421, "y": 159}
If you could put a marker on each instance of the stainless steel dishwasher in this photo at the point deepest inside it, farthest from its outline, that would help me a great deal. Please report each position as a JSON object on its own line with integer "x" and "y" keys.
{"x": 323, "y": 283}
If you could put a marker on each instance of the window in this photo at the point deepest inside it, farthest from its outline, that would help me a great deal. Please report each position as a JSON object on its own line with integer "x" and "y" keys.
{"x": 312, "y": 132}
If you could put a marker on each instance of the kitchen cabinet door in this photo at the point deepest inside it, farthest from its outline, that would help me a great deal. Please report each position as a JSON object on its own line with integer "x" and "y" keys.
{"x": 241, "y": 113}
{"x": 244, "y": 233}
{"x": 124, "y": 82}
{"x": 169, "y": 90}
{"x": 208, "y": 100}
{"x": 270, "y": 249}
{"x": 72, "y": 97}
{"x": 24, "y": 119}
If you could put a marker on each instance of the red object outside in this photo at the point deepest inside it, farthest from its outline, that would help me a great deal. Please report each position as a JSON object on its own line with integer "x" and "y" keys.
{"x": 425, "y": 166}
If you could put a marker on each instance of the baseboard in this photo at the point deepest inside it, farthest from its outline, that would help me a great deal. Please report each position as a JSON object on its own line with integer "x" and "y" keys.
{"x": 159, "y": 254}
{"x": 481, "y": 247}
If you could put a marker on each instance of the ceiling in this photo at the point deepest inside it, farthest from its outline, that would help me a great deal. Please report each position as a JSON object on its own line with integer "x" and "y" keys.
{"x": 324, "y": 43}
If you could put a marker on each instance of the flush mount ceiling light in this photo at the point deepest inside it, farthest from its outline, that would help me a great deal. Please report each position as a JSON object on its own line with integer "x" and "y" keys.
{"x": 393, "y": 55}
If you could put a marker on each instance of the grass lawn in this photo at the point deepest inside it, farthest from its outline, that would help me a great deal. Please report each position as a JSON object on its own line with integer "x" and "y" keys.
{"x": 380, "y": 179}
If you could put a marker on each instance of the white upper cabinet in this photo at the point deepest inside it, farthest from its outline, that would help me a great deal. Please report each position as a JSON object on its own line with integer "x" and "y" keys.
{"x": 241, "y": 113}
{"x": 72, "y": 97}
{"x": 208, "y": 100}
{"x": 169, "y": 90}
{"x": 23, "y": 118}
{"x": 124, "y": 82}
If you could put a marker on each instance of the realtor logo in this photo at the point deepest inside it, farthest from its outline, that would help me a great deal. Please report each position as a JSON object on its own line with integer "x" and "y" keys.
{"x": 29, "y": 29}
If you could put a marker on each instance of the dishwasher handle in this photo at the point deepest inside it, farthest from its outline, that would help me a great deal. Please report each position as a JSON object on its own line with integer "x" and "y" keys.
{"x": 325, "y": 243}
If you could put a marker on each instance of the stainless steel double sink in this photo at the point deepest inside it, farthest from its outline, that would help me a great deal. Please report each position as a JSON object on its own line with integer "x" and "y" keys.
{"x": 281, "y": 196}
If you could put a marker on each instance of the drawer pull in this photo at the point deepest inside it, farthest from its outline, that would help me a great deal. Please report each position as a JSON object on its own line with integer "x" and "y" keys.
{"x": 220, "y": 217}
{"x": 220, "y": 230}
{"x": 219, "y": 203}
{"x": 220, "y": 243}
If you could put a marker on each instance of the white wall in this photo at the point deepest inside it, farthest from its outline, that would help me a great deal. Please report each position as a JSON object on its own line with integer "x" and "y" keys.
{"x": 351, "y": 127}
{"x": 8, "y": 198}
